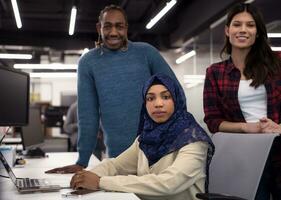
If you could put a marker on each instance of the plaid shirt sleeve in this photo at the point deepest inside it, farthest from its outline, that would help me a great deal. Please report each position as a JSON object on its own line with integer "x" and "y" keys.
{"x": 213, "y": 116}
{"x": 274, "y": 98}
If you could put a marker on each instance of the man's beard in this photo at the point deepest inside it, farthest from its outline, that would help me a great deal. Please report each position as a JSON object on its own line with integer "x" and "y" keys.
{"x": 123, "y": 40}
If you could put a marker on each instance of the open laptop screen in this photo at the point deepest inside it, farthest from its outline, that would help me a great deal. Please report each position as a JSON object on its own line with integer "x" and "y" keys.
{"x": 8, "y": 168}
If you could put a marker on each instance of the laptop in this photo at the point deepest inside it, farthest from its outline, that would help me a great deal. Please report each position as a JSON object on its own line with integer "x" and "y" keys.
{"x": 26, "y": 185}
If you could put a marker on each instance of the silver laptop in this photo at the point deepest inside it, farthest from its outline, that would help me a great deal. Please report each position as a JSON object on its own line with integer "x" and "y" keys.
{"x": 26, "y": 185}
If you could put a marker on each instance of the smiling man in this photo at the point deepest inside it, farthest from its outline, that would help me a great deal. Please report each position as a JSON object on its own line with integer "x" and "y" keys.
{"x": 110, "y": 81}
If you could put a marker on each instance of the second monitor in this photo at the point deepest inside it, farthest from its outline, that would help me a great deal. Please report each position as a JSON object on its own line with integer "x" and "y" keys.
{"x": 33, "y": 134}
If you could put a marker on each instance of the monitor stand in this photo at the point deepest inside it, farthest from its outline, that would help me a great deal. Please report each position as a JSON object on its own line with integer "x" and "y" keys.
{"x": 35, "y": 153}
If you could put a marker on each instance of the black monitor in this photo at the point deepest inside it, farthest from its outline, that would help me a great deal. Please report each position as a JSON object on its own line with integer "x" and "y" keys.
{"x": 33, "y": 134}
{"x": 14, "y": 100}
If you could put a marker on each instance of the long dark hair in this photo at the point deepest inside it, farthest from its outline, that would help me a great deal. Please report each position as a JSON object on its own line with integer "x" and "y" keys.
{"x": 261, "y": 62}
{"x": 107, "y": 9}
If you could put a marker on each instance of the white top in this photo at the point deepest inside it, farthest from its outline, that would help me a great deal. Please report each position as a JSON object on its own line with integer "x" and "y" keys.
{"x": 253, "y": 101}
{"x": 176, "y": 176}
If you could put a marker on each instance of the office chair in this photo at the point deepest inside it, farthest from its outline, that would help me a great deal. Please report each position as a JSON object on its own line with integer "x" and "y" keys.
{"x": 237, "y": 165}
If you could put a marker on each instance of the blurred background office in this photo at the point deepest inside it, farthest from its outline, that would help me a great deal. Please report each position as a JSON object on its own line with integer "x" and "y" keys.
{"x": 46, "y": 39}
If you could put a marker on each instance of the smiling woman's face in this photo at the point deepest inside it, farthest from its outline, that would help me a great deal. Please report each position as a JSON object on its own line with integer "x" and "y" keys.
{"x": 159, "y": 103}
{"x": 242, "y": 31}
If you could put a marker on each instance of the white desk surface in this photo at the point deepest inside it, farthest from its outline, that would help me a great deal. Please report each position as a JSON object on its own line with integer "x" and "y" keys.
{"x": 35, "y": 168}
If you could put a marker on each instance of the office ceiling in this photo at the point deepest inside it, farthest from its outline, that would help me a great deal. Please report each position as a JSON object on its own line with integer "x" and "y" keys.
{"x": 45, "y": 24}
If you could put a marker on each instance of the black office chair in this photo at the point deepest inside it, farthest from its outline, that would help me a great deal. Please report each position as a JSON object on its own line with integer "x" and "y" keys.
{"x": 237, "y": 165}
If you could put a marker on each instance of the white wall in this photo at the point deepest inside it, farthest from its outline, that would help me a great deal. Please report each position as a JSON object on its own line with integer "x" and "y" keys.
{"x": 50, "y": 89}
{"x": 193, "y": 94}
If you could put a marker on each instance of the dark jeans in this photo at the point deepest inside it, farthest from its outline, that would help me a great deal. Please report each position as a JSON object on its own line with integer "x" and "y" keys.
{"x": 270, "y": 182}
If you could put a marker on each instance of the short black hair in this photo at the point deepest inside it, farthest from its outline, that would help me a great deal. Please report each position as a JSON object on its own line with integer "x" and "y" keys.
{"x": 113, "y": 7}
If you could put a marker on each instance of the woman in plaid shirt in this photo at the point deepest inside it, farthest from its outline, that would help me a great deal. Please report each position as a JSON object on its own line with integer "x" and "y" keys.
{"x": 243, "y": 93}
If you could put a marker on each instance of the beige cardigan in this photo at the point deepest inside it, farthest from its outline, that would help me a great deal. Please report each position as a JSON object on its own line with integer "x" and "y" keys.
{"x": 176, "y": 176}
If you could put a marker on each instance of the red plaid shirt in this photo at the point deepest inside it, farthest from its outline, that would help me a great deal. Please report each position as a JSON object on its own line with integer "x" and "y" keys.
{"x": 221, "y": 96}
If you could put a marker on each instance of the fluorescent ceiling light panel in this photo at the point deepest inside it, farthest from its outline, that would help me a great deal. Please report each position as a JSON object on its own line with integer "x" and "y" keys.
{"x": 72, "y": 20}
{"x": 53, "y": 66}
{"x": 15, "y": 56}
{"x": 155, "y": 19}
{"x": 16, "y": 13}
{"x": 274, "y": 35}
{"x": 276, "y": 48}
{"x": 249, "y": 1}
{"x": 186, "y": 56}
{"x": 53, "y": 75}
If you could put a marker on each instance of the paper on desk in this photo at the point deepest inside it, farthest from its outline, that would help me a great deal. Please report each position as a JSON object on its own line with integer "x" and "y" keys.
{"x": 101, "y": 195}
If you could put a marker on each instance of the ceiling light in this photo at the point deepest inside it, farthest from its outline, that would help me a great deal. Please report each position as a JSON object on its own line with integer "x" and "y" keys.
{"x": 53, "y": 66}
{"x": 276, "y": 48}
{"x": 53, "y": 75}
{"x": 16, "y": 13}
{"x": 15, "y": 56}
{"x": 72, "y": 20}
{"x": 155, "y": 19}
{"x": 186, "y": 56}
{"x": 274, "y": 35}
{"x": 249, "y": 1}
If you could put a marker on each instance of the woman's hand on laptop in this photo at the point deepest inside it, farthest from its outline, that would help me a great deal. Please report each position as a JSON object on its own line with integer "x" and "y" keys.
{"x": 85, "y": 179}
{"x": 69, "y": 169}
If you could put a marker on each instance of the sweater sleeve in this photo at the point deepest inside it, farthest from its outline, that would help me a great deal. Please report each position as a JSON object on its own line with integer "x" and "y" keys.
{"x": 88, "y": 112}
{"x": 188, "y": 167}
{"x": 124, "y": 164}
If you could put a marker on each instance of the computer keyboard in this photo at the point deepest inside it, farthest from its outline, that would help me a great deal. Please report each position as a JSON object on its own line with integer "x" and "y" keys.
{"x": 30, "y": 183}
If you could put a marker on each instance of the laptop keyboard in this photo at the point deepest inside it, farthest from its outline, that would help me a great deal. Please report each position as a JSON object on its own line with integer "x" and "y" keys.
{"x": 30, "y": 183}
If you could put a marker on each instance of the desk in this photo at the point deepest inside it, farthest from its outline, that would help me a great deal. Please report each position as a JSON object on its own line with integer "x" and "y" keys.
{"x": 35, "y": 168}
{"x": 12, "y": 140}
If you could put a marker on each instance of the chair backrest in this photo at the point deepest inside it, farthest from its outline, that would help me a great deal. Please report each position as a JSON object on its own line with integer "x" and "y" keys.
{"x": 238, "y": 163}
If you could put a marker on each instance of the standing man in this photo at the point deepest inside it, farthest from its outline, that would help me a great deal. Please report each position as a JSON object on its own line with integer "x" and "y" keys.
{"x": 110, "y": 81}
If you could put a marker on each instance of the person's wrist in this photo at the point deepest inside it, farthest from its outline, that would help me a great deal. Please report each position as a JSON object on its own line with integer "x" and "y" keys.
{"x": 99, "y": 182}
{"x": 243, "y": 127}
{"x": 82, "y": 166}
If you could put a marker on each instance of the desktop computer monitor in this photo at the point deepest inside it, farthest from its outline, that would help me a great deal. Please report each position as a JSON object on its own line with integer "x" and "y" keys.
{"x": 33, "y": 133}
{"x": 14, "y": 100}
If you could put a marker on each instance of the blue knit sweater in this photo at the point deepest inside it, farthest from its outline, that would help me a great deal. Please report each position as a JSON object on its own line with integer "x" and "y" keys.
{"x": 109, "y": 89}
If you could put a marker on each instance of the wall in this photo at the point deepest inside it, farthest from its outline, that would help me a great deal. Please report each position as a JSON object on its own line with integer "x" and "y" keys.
{"x": 194, "y": 66}
{"x": 50, "y": 89}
